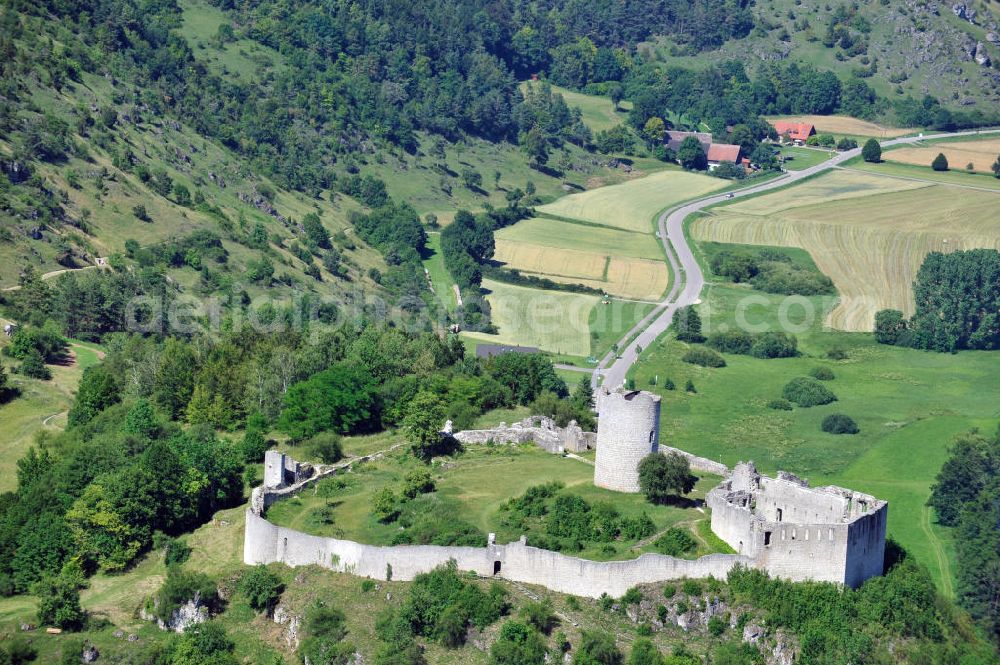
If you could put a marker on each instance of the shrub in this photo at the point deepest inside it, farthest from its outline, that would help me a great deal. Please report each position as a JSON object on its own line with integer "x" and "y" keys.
{"x": 780, "y": 404}
{"x": 669, "y": 591}
{"x": 940, "y": 162}
{"x": 775, "y": 345}
{"x": 632, "y": 597}
{"x": 598, "y": 648}
{"x": 733, "y": 341}
{"x": 175, "y": 550}
{"x": 59, "y": 603}
{"x": 325, "y": 631}
{"x": 689, "y": 386}
{"x": 872, "y": 151}
{"x": 325, "y": 446}
{"x": 260, "y": 587}
{"x": 837, "y": 353}
{"x": 822, "y": 373}
{"x": 839, "y": 423}
{"x": 385, "y": 505}
{"x": 540, "y": 615}
{"x": 675, "y": 542}
{"x": 417, "y": 482}
{"x": 34, "y": 367}
{"x": 691, "y": 587}
{"x": 806, "y": 391}
{"x": 19, "y": 651}
{"x": 662, "y": 477}
{"x": 253, "y": 446}
{"x": 705, "y": 357}
{"x": 717, "y": 626}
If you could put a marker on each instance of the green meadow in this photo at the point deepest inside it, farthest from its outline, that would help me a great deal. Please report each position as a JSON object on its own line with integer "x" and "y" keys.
{"x": 909, "y": 405}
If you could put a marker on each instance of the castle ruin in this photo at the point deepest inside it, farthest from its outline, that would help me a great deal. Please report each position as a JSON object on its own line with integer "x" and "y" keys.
{"x": 779, "y": 525}
{"x": 794, "y": 531}
{"x": 628, "y": 429}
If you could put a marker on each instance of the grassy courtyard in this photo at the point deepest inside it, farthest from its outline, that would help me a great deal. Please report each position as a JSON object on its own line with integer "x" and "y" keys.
{"x": 472, "y": 487}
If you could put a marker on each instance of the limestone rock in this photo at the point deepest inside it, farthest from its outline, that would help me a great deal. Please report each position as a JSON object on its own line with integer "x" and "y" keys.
{"x": 190, "y": 613}
{"x": 981, "y": 57}
{"x": 993, "y": 37}
{"x": 90, "y": 654}
{"x": 753, "y": 633}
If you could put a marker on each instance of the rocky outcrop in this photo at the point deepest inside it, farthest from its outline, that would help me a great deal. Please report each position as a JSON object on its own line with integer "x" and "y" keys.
{"x": 981, "y": 57}
{"x": 190, "y": 613}
{"x": 291, "y": 622}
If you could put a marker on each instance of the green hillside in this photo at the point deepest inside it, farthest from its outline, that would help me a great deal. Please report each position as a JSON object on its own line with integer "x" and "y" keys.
{"x": 899, "y": 49}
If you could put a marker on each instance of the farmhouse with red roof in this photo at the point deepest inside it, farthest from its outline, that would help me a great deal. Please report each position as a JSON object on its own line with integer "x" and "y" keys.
{"x": 716, "y": 153}
{"x": 796, "y": 132}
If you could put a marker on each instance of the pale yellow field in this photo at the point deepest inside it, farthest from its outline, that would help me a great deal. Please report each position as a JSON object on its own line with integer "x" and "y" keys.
{"x": 981, "y": 154}
{"x": 842, "y": 124}
{"x": 622, "y": 276}
{"x": 870, "y": 246}
{"x": 553, "y": 321}
{"x": 632, "y": 205}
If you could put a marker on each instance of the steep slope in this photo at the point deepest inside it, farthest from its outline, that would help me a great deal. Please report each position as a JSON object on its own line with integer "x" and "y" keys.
{"x": 911, "y": 48}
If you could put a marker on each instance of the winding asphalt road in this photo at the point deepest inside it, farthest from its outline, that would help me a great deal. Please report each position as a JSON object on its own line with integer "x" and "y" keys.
{"x": 688, "y": 278}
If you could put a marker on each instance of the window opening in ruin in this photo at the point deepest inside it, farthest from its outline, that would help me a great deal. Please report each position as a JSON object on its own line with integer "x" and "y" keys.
{"x": 767, "y": 538}
{"x": 779, "y": 514}
{"x": 740, "y": 551}
{"x": 496, "y": 567}
{"x": 652, "y": 433}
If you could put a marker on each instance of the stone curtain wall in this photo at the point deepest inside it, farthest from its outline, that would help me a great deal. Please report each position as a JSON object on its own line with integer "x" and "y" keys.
{"x": 847, "y": 550}
{"x": 519, "y": 562}
{"x": 702, "y": 464}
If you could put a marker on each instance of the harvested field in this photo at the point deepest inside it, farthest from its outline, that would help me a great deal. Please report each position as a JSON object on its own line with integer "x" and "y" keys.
{"x": 981, "y": 154}
{"x": 631, "y": 205}
{"x": 553, "y": 321}
{"x": 871, "y": 245}
{"x": 842, "y": 124}
{"x": 623, "y": 276}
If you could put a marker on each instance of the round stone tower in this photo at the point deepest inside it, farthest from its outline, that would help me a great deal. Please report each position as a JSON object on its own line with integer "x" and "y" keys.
{"x": 628, "y": 429}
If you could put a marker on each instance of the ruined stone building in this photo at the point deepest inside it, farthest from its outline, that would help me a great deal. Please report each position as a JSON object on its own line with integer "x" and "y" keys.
{"x": 628, "y": 429}
{"x": 799, "y": 532}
